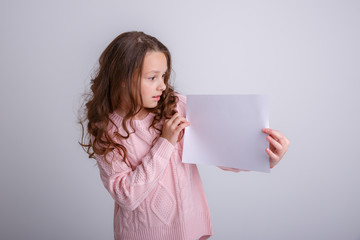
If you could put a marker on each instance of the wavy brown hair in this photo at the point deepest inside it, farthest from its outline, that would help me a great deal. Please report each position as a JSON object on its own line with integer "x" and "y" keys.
{"x": 115, "y": 86}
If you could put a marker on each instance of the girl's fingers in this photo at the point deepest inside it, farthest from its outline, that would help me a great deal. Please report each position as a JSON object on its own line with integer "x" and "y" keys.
{"x": 278, "y": 145}
{"x": 172, "y": 128}
{"x": 272, "y": 155}
{"x": 273, "y": 142}
{"x": 278, "y": 136}
{"x": 175, "y": 120}
{"x": 182, "y": 126}
{"x": 274, "y": 133}
{"x": 178, "y": 120}
{"x": 171, "y": 120}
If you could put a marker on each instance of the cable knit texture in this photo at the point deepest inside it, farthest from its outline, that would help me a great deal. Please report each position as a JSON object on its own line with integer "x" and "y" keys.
{"x": 156, "y": 195}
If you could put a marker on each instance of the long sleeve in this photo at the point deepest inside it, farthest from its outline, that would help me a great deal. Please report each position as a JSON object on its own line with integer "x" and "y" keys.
{"x": 129, "y": 187}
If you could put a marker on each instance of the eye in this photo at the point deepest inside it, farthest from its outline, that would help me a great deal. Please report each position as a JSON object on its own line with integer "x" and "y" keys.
{"x": 151, "y": 78}
{"x": 163, "y": 76}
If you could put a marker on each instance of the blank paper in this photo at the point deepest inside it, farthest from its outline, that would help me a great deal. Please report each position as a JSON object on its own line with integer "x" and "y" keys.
{"x": 226, "y": 130}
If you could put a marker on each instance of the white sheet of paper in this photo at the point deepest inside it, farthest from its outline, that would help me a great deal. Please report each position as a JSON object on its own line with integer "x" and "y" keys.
{"x": 226, "y": 131}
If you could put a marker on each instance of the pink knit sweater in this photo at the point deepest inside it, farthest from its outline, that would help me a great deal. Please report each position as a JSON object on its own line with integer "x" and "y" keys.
{"x": 156, "y": 195}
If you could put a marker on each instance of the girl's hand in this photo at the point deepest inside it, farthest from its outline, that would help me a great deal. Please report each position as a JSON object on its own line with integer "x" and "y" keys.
{"x": 172, "y": 128}
{"x": 279, "y": 144}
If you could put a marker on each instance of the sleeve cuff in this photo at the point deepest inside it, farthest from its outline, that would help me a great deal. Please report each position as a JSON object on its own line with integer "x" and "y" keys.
{"x": 163, "y": 148}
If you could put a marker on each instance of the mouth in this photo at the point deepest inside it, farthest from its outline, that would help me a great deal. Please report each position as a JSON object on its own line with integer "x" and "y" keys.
{"x": 156, "y": 98}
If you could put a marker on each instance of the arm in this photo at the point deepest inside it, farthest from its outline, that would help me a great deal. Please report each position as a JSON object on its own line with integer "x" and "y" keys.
{"x": 129, "y": 187}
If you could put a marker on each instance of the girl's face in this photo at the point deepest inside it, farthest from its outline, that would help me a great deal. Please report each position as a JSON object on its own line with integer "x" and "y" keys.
{"x": 152, "y": 79}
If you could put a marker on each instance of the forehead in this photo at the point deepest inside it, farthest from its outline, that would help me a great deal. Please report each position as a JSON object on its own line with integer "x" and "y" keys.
{"x": 154, "y": 62}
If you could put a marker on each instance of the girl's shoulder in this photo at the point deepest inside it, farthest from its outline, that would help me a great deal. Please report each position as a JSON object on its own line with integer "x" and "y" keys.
{"x": 181, "y": 97}
{"x": 181, "y": 104}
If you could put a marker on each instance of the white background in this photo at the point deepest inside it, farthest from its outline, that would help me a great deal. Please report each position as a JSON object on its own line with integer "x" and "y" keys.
{"x": 304, "y": 54}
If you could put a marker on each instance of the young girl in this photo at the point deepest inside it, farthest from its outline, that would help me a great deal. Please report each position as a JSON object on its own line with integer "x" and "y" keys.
{"x": 135, "y": 124}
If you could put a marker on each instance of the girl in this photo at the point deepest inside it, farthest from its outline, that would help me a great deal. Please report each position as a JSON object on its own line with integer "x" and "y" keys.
{"x": 135, "y": 124}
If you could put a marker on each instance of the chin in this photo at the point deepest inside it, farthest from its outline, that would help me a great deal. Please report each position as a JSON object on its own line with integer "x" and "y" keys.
{"x": 151, "y": 105}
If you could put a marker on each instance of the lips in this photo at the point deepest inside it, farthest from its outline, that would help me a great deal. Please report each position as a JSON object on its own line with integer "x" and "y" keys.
{"x": 156, "y": 98}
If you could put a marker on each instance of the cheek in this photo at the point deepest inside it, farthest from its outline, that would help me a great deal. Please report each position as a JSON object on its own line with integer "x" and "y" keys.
{"x": 146, "y": 89}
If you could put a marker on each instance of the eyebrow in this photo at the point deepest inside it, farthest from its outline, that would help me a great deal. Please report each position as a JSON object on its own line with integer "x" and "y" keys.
{"x": 155, "y": 71}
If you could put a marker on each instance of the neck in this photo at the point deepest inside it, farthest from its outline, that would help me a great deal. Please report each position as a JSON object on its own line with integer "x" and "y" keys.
{"x": 139, "y": 116}
{"x": 142, "y": 114}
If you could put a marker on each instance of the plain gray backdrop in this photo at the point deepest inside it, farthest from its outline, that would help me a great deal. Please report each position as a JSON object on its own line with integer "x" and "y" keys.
{"x": 304, "y": 54}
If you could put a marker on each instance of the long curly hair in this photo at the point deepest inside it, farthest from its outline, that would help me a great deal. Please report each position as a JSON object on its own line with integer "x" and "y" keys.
{"x": 117, "y": 86}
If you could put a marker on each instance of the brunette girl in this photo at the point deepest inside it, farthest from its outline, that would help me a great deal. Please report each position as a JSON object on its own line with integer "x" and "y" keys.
{"x": 135, "y": 123}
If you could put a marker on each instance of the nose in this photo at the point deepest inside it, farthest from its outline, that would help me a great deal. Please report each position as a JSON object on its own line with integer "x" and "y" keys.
{"x": 162, "y": 86}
